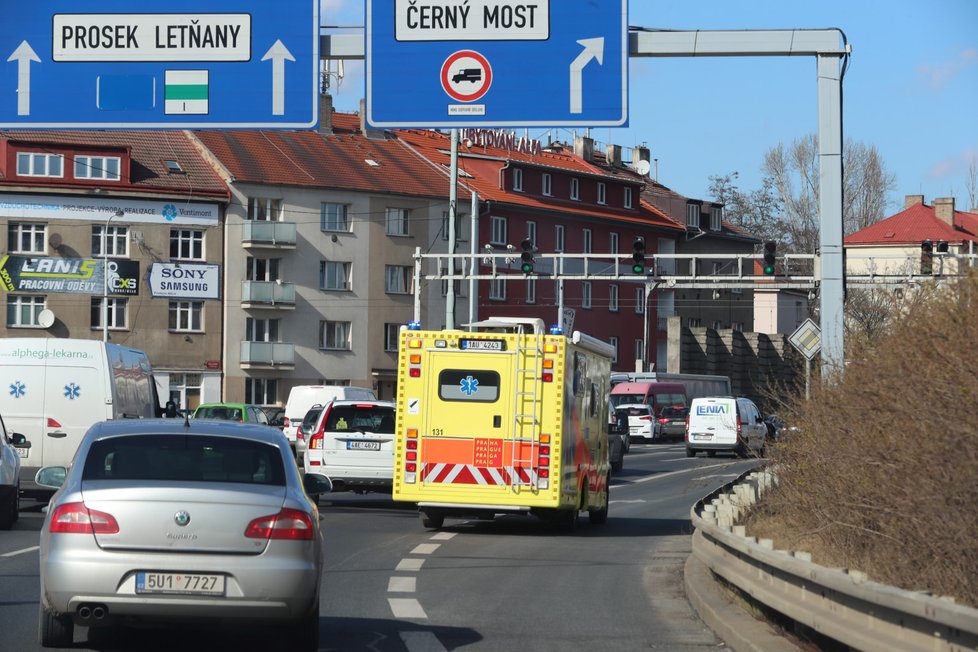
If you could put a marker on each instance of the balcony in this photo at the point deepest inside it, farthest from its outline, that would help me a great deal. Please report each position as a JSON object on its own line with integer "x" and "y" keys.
{"x": 268, "y": 294}
{"x": 267, "y": 355}
{"x": 260, "y": 234}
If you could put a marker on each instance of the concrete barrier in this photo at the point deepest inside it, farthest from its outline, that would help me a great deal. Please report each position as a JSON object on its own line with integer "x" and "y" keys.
{"x": 843, "y": 605}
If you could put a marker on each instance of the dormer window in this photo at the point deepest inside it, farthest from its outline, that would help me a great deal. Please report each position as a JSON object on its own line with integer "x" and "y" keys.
{"x": 40, "y": 164}
{"x": 104, "y": 168}
{"x": 602, "y": 193}
{"x": 173, "y": 167}
{"x": 716, "y": 218}
{"x": 575, "y": 190}
{"x": 518, "y": 180}
{"x": 547, "y": 184}
{"x": 693, "y": 215}
{"x": 628, "y": 197}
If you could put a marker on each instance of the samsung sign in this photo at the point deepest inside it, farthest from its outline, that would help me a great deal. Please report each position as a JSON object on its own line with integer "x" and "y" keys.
{"x": 185, "y": 281}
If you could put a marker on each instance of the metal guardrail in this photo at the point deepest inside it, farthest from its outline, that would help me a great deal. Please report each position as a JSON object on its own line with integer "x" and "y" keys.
{"x": 843, "y": 605}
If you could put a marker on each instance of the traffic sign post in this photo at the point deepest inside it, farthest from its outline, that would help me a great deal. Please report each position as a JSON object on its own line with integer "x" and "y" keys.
{"x": 182, "y": 64}
{"x": 496, "y": 63}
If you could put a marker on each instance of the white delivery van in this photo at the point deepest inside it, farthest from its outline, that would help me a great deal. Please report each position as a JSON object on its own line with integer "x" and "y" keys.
{"x": 54, "y": 389}
{"x": 303, "y": 397}
{"x": 725, "y": 423}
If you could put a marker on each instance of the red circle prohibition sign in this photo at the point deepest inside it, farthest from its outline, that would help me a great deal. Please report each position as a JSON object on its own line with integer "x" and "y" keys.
{"x": 463, "y": 70}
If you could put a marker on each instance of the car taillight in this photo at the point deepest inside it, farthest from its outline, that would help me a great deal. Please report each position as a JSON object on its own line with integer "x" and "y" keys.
{"x": 645, "y": 418}
{"x": 663, "y": 420}
{"x": 287, "y": 524}
{"x": 75, "y": 518}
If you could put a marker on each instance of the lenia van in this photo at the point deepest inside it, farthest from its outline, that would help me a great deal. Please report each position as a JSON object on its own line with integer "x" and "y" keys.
{"x": 504, "y": 419}
{"x": 54, "y": 389}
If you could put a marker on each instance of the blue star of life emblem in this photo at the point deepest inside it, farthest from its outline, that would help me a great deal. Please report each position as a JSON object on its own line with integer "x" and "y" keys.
{"x": 169, "y": 212}
{"x": 17, "y": 389}
{"x": 72, "y": 391}
{"x": 469, "y": 385}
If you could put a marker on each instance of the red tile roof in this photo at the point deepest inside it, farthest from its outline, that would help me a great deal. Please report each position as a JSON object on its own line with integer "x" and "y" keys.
{"x": 916, "y": 224}
{"x": 147, "y": 150}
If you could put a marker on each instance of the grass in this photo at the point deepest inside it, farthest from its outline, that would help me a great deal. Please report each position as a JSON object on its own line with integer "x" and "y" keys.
{"x": 882, "y": 474}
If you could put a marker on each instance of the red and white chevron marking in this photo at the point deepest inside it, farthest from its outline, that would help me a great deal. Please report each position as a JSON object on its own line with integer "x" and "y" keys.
{"x": 470, "y": 474}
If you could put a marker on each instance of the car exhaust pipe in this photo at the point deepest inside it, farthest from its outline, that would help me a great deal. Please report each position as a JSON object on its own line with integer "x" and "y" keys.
{"x": 85, "y": 612}
{"x": 99, "y": 612}
{"x": 90, "y": 611}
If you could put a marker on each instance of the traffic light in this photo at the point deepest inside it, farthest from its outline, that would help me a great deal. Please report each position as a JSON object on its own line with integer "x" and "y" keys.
{"x": 638, "y": 256}
{"x": 926, "y": 257}
{"x": 527, "y": 256}
{"x": 770, "y": 251}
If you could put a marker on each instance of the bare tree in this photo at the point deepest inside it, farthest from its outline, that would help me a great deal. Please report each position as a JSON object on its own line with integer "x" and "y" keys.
{"x": 973, "y": 183}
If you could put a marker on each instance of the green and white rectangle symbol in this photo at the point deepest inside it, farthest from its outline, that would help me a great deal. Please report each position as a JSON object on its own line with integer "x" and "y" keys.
{"x": 185, "y": 92}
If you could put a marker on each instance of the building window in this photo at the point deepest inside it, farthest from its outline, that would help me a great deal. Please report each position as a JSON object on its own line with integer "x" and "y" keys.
{"x": 640, "y": 301}
{"x": 587, "y": 240}
{"x": 22, "y": 310}
{"x": 497, "y": 230}
{"x": 613, "y": 243}
{"x": 602, "y": 193}
{"x": 186, "y": 244}
{"x": 531, "y": 232}
{"x": 716, "y": 218}
{"x": 497, "y": 289}
{"x": 559, "y": 237}
{"x": 694, "y": 322}
{"x": 26, "y": 238}
{"x": 334, "y": 217}
{"x": 261, "y": 269}
{"x": 517, "y": 180}
{"x": 397, "y": 221}
{"x": 692, "y": 215}
{"x": 186, "y": 316}
{"x": 613, "y": 341}
{"x": 640, "y": 349}
{"x": 112, "y": 241}
{"x": 575, "y": 190}
{"x": 264, "y": 209}
{"x": 334, "y": 275}
{"x": 628, "y": 197}
{"x": 118, "y": 313}
{"x": 585, "y": 294}
{"x": 460, "y": 220}
{"x": 392, "y": 334}
{"x": 262, "y": 330}
{"x": 397, "y": 279}
{"x": 334, "y": 335}
{"x": 613, "y": 298}
{"x": 547, "y": 184}
{"x": 97, "y": 167}
{"x": 37, "y": 164}
{"x": 531, "y": 290}
{"x": 261, "y": 391}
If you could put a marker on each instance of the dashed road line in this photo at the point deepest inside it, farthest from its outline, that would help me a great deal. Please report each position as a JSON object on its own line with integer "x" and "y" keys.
{"x": 401, "y": 584}
{"x": 14, "y": 553}
{"x": 407, "y": 608}
{"x": 659, "y": 476}
{"x": 422, "y": 642}
{"x": 425, "y": 548}
{"x": 409, "y": 564}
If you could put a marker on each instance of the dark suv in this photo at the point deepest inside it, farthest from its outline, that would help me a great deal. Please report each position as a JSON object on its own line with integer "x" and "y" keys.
{"x": 672, "y": 422}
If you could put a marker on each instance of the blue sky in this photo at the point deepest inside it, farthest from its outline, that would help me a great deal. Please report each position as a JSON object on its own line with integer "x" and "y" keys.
{"x": 911, "y": 90}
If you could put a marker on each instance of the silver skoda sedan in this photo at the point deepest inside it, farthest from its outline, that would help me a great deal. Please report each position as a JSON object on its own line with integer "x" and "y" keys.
{"x": 181, "y": 520}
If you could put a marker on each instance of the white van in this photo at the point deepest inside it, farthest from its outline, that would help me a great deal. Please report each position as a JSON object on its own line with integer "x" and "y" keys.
{"x": 303, "y": 397}
{"x": 725, "y": 423}
{"x": 54, "y": 389}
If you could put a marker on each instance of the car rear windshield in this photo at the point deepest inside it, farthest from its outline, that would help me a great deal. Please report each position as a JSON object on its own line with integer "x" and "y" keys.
{"x": 226, "y": 413}
{"x": 184, "y": 458}
{"x": 365, "y": 418}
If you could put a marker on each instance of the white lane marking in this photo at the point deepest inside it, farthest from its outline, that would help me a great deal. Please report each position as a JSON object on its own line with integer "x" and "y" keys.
{"x": 659, "y": 476}
{"x": 443, "y": 536}
{"x": 425, "y": 548}
{"x": 422, "y": 642}
{"x": 401, "y": 585}
{"x": 409, "y": 565}
{"x": 624, "y": 502}
{"x": 406, "y": 608}
{"x": 14, "y": 553}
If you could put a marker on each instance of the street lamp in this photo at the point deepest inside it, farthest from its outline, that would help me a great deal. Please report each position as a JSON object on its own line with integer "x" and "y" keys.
{"x": 105, "y": 276}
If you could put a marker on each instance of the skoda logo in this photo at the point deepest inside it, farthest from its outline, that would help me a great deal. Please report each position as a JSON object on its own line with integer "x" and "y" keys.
{"x": 181, "y": 518}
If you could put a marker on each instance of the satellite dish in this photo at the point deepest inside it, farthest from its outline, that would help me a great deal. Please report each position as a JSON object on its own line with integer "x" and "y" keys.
{"x": 45, "y": 318}
{"x": 643, "y": 167}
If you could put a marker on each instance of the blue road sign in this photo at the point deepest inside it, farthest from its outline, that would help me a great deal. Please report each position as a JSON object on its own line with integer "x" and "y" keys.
{"x": 496, "y": 63}
{"x": 179, "y": 64}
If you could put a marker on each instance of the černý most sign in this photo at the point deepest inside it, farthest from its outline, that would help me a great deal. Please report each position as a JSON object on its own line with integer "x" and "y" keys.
{"x": 180, "y": 64}
{"x": 496, "y": 63}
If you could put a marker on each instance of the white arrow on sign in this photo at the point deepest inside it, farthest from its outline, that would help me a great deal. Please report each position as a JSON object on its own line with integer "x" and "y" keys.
{"x": 593, "y": 49}
{"x": 24, "y": 54}
{"x": 278, "y": 53}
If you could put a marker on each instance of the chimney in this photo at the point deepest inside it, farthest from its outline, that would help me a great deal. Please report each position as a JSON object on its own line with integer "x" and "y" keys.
{"x": 641, "y": 153}
{"x": 912, "y": 200}
{"x": 584, "y": 147}
{"x": 613, "y": 155}
{"x": 325, "y": 114}
{"x": 364, "y": 129}
{"x": 944, "y": 209}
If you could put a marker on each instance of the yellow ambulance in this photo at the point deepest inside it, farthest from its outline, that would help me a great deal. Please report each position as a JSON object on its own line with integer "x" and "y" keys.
{"x": 505, "y": 418}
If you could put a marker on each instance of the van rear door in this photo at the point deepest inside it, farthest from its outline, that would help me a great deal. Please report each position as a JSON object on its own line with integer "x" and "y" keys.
{"x": 713, "y": 420}
{"x": 74, "y": 399}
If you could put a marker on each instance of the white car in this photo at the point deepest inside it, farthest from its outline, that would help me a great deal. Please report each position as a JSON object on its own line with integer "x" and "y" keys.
{"x": 642, "y": 424}
{"x": 12, "y": 447}
{"x": 353, "y": 445}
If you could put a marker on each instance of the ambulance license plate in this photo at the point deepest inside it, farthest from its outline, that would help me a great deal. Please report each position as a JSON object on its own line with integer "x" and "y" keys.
{"x": 363, "y": 445}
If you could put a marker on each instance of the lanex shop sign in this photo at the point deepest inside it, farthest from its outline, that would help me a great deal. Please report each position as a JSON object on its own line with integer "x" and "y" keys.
{"x": 69, "y": 275}
{"x": 185, "y": 281}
